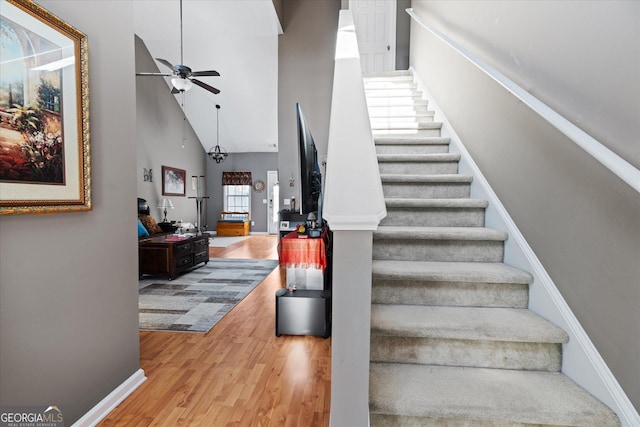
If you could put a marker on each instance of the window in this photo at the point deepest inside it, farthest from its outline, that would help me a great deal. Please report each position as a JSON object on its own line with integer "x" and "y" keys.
{"x": 237, "y": 198}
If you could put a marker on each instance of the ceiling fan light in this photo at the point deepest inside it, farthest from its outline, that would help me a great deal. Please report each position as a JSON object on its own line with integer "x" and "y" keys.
{"x": 181, "y": 84}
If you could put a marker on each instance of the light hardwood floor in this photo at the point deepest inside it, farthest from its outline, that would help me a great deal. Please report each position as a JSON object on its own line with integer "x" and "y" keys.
{"x": 239, "y": 373}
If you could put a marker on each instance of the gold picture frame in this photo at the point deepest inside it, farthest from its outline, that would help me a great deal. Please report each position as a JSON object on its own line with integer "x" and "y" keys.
{"x": 44, "y": 112}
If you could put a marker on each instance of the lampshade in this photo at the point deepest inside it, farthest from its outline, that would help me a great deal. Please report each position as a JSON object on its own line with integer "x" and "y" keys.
{"x": 181, "y": 84}
{"x": 164, "y": 205}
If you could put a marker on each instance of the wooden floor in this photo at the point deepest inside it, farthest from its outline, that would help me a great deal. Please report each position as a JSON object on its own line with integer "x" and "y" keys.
{"x": 239, "y": 373}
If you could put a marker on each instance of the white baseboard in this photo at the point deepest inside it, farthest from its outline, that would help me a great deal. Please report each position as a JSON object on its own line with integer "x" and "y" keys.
{"x": 581, "y": 360}
{"x": 113, "y": 399}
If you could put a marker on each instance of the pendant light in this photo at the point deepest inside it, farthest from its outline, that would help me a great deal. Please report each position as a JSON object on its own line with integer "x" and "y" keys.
{"x": 217, "y": 154}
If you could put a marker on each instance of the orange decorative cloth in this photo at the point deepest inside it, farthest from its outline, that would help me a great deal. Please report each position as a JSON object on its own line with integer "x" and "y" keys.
{"x": 295, "y": 252}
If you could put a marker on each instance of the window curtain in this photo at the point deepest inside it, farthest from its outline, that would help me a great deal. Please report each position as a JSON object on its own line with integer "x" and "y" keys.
{"x": 236, "y": 178}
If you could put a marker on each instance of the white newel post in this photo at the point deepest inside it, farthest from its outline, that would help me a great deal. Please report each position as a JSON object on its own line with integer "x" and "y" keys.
{"x": 353, "y": 207}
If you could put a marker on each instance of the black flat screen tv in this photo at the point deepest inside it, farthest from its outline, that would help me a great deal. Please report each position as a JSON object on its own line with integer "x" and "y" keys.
{"x": 310, "y": 176}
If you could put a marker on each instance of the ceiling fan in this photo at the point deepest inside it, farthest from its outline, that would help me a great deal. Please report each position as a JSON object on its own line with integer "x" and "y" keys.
{"x": 183, "y": 76}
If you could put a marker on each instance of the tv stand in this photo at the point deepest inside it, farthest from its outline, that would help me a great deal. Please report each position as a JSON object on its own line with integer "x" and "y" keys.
{"x": 307, "y": 309}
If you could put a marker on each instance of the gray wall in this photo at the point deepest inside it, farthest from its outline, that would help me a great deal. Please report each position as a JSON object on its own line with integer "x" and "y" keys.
{"x": 159, "y": 140}
{"x": 403, "y": 30}
{"x": 306, "y": 54}
{"x": 582, "y": 58}
{"x": 69, "y": 281}
{"x": 256, "y": 163}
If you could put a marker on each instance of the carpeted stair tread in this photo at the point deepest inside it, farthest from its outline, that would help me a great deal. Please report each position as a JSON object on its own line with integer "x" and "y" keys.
{"x": 396, "y": 102}
{"x": 464, "y": 323}
{"x": 435, "y": 157}
{"x": 388, "y": 75}
{"x": 419, "y": 395}
{"x": 439, "y": 233}
{"x": 381, "y": 113}
{"x": 412, "y": 179}
{"x": 402, "y": 111}
{"x": 423, "y": 125}
{"x": 450, "y": 272}
{"x": 410, "y": 140}
{"x": 411, "y": 119}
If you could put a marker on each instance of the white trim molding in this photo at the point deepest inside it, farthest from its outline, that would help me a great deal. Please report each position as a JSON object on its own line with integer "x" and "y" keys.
{"x": 581, "y": 360}
{"x": 113, "y": 399}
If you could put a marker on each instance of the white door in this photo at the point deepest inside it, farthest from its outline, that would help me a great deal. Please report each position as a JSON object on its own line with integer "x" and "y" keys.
{"x": 273, "y": 188}
{"x": 375, "y": 22}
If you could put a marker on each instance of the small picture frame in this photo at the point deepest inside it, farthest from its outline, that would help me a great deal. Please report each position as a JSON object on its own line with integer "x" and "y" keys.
{"x": 173, "y": 181}
{"x": 284, "y": 225}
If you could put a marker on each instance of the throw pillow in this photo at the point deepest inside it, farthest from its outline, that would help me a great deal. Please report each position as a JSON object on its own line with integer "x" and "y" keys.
{"x": 142, "y": 232}
{"x": 150, "y": 224}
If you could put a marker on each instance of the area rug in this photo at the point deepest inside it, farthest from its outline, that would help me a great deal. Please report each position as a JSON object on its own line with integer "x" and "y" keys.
{"x": 223, "y": 242}
{"x": 196, "y": 301}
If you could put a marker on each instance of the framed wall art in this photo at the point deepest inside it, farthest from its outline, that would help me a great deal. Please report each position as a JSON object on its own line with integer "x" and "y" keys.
{"x": 44, "y": 112}
{"x": 173, "y": 181}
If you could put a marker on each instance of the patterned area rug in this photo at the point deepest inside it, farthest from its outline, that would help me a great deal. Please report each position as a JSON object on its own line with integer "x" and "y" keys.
{"x": 196, "y": 301}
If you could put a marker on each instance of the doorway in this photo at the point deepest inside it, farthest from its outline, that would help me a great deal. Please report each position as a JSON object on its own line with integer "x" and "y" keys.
{"x": 273, "y": 216}
{"x": 375, "y": 23}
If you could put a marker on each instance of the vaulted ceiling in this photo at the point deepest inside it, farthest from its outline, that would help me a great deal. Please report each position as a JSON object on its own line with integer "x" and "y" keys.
{"x": 237, "y": 38}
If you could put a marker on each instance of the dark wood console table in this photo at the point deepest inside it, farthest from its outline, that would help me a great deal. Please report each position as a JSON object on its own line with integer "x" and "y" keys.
{"x": 172, "y": 255}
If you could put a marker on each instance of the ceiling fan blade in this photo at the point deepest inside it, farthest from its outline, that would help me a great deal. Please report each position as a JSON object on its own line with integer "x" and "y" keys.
{"x": 154, "y": 74}
{"x": 167, "y": 64}
{"x": 206, "y": 86}
{"x": 210, "y": 73}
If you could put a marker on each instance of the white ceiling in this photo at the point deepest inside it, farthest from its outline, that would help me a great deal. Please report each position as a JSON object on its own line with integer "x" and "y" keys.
{"x": 237, "y": 38}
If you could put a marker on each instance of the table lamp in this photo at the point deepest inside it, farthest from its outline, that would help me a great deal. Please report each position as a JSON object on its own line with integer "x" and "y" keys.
{"x": 164, "y": 205}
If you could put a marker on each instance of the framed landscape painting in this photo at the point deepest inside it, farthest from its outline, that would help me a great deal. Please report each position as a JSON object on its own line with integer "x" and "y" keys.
{"x": 44, "y": 112}
{"x": 173, "y": 181}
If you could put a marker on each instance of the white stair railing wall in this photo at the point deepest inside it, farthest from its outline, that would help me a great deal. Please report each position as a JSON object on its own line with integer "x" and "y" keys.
{"x": 353, "y": 206}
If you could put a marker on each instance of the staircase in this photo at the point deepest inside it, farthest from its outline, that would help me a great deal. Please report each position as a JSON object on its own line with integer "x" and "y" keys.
{"x": 452, "y": 340}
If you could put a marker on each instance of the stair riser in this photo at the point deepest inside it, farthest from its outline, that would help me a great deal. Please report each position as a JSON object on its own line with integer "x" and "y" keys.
{"x": 392, "y": 93}
{"x": 399, "y": 111}
{"x": 460, "y": 294}
{"x": 396, "y": 102}
{"x": 418, "y": 168}
{"x": 385, "y": 420}
{"x": 411, "y": 149}
{"x": 435, "y": 217}
{"x": 426, "y": 190}
{"x": 390, "y": 85}
{"x": 438, "y": 250}
{"x": 469, "y": 353}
